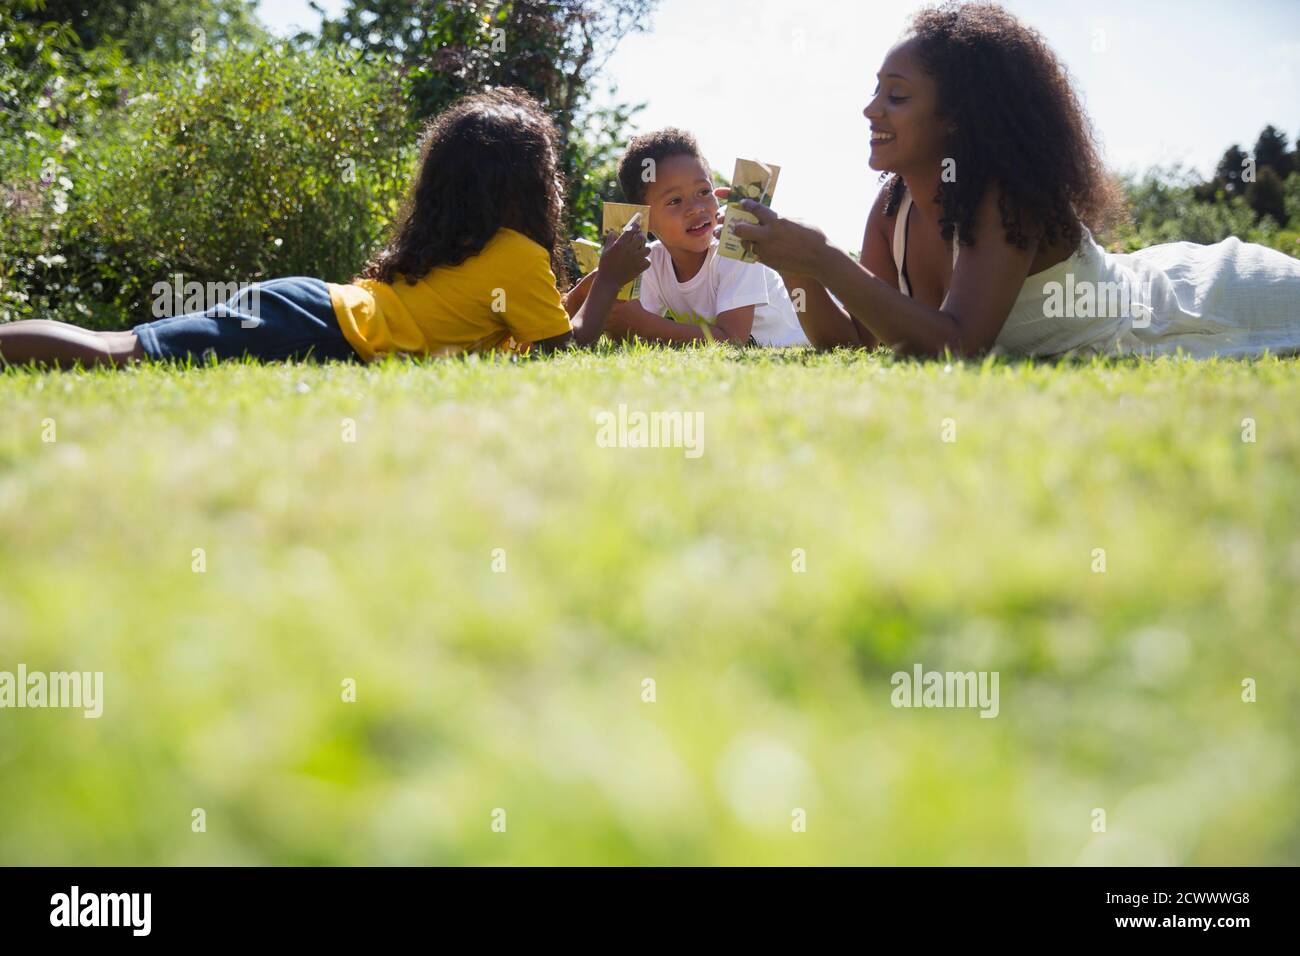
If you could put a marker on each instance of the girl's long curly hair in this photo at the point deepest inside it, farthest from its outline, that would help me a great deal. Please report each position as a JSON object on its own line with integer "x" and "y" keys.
{"x": 487, "y": 161}
{"x": 1018, "y": 124}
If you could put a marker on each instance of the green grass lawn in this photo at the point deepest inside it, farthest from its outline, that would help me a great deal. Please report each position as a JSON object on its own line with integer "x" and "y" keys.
{"x": 522, "y": 690}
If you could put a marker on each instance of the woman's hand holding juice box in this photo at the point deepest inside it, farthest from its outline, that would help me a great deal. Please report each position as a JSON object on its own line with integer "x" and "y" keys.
{"x": 753, "y": 180}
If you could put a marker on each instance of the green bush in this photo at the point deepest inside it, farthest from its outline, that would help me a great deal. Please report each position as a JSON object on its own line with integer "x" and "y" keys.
{"x": 1164, "y": 207}
{"x": 1291, "y": 196}
{"x": 49, "y": 90}
{"x": 241, "y": 166}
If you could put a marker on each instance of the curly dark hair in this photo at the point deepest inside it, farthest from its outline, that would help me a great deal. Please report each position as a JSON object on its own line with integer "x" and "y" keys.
{"x": 487, "y": 161}
{"x": 658, "y": 146}
{"x": 1019, "y": 124}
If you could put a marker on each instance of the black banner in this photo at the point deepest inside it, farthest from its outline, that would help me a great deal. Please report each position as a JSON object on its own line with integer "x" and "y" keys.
{"x": 334, "y": 905}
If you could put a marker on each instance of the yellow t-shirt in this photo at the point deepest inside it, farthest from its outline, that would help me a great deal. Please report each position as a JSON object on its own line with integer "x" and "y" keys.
{"x": 506, "y": 291}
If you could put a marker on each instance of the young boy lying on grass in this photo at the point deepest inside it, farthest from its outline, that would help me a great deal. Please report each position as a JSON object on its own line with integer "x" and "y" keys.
{"x": 690, "y": 293}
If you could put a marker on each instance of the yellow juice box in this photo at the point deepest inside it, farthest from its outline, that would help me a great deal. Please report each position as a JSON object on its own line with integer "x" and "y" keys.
{"x": 753, "y": 180}
{"x": 587, "y": 253}
{"x": 616, "y": 217}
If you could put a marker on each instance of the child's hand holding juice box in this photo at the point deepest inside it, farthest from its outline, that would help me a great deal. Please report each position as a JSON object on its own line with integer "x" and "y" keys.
{"x": 753, "y": 180}
{"x": 623, "y": 256}
{"x": 587, "y": 253}
{"x": 622, "y": 221}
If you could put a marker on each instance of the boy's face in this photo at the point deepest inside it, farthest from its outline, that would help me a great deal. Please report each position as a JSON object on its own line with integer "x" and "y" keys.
{"x": 683, "y": 209}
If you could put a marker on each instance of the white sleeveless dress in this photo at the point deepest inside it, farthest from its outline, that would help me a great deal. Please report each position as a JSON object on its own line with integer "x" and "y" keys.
{"x": 1229, "y": 299}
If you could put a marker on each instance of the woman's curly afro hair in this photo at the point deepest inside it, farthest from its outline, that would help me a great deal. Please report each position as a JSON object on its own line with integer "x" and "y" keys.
{"x": 1018, "y": 124}
{"x": 487, "y": 161}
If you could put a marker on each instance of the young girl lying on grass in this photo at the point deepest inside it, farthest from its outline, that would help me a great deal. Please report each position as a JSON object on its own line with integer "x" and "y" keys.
{"x": 690, "y": 293}
{"x": 472, "y": 266}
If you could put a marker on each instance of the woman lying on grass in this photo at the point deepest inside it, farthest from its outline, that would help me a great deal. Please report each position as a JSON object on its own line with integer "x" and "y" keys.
{"x": 981, "y": 238}
{"x": 470, "y": 268}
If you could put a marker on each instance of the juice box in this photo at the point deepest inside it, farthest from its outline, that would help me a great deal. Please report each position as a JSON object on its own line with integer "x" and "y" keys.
{"x": 753, "y": 180}
{"x": 587, "y": 253}
{"x": 616, "y": 217}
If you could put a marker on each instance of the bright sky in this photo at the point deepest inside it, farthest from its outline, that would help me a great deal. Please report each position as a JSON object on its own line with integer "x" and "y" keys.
{"x": 785, "y": 81}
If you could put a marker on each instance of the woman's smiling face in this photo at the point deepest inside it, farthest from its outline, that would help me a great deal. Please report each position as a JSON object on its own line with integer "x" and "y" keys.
{"x": 906, "y": 132}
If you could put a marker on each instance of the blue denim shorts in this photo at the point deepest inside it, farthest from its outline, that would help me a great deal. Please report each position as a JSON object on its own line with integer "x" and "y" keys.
{"x": 272, "y": 321}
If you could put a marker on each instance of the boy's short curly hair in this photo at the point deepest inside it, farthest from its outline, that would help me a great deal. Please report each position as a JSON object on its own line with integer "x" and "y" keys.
{"x": 657, "y": 146}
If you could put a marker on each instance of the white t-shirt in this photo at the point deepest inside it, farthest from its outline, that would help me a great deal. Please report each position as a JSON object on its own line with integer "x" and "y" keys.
{"x": 722, "y": 284}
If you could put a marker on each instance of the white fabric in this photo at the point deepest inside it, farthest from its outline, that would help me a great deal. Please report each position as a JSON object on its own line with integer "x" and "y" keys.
{"x": 900, "y": 241}
{"x": 1231, "y": 299}
{"x": 721, "y": 285}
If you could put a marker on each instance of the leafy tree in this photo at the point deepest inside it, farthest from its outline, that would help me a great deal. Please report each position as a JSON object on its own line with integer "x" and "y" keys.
{"x": 51, "y": 90}
{"x": 1292, "y": 190}
{"x": 1266, "y": 195}
{"x": 46, "y": 76}
{"x": 1271, "y": 151}
{"x": 1227, "y": 175}
{"x": 552, "y": 49}
{"x": 150, "y": 29}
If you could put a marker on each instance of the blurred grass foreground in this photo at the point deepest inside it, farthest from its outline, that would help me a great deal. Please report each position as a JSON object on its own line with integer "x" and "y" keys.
{"x": 416, "y": 613}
